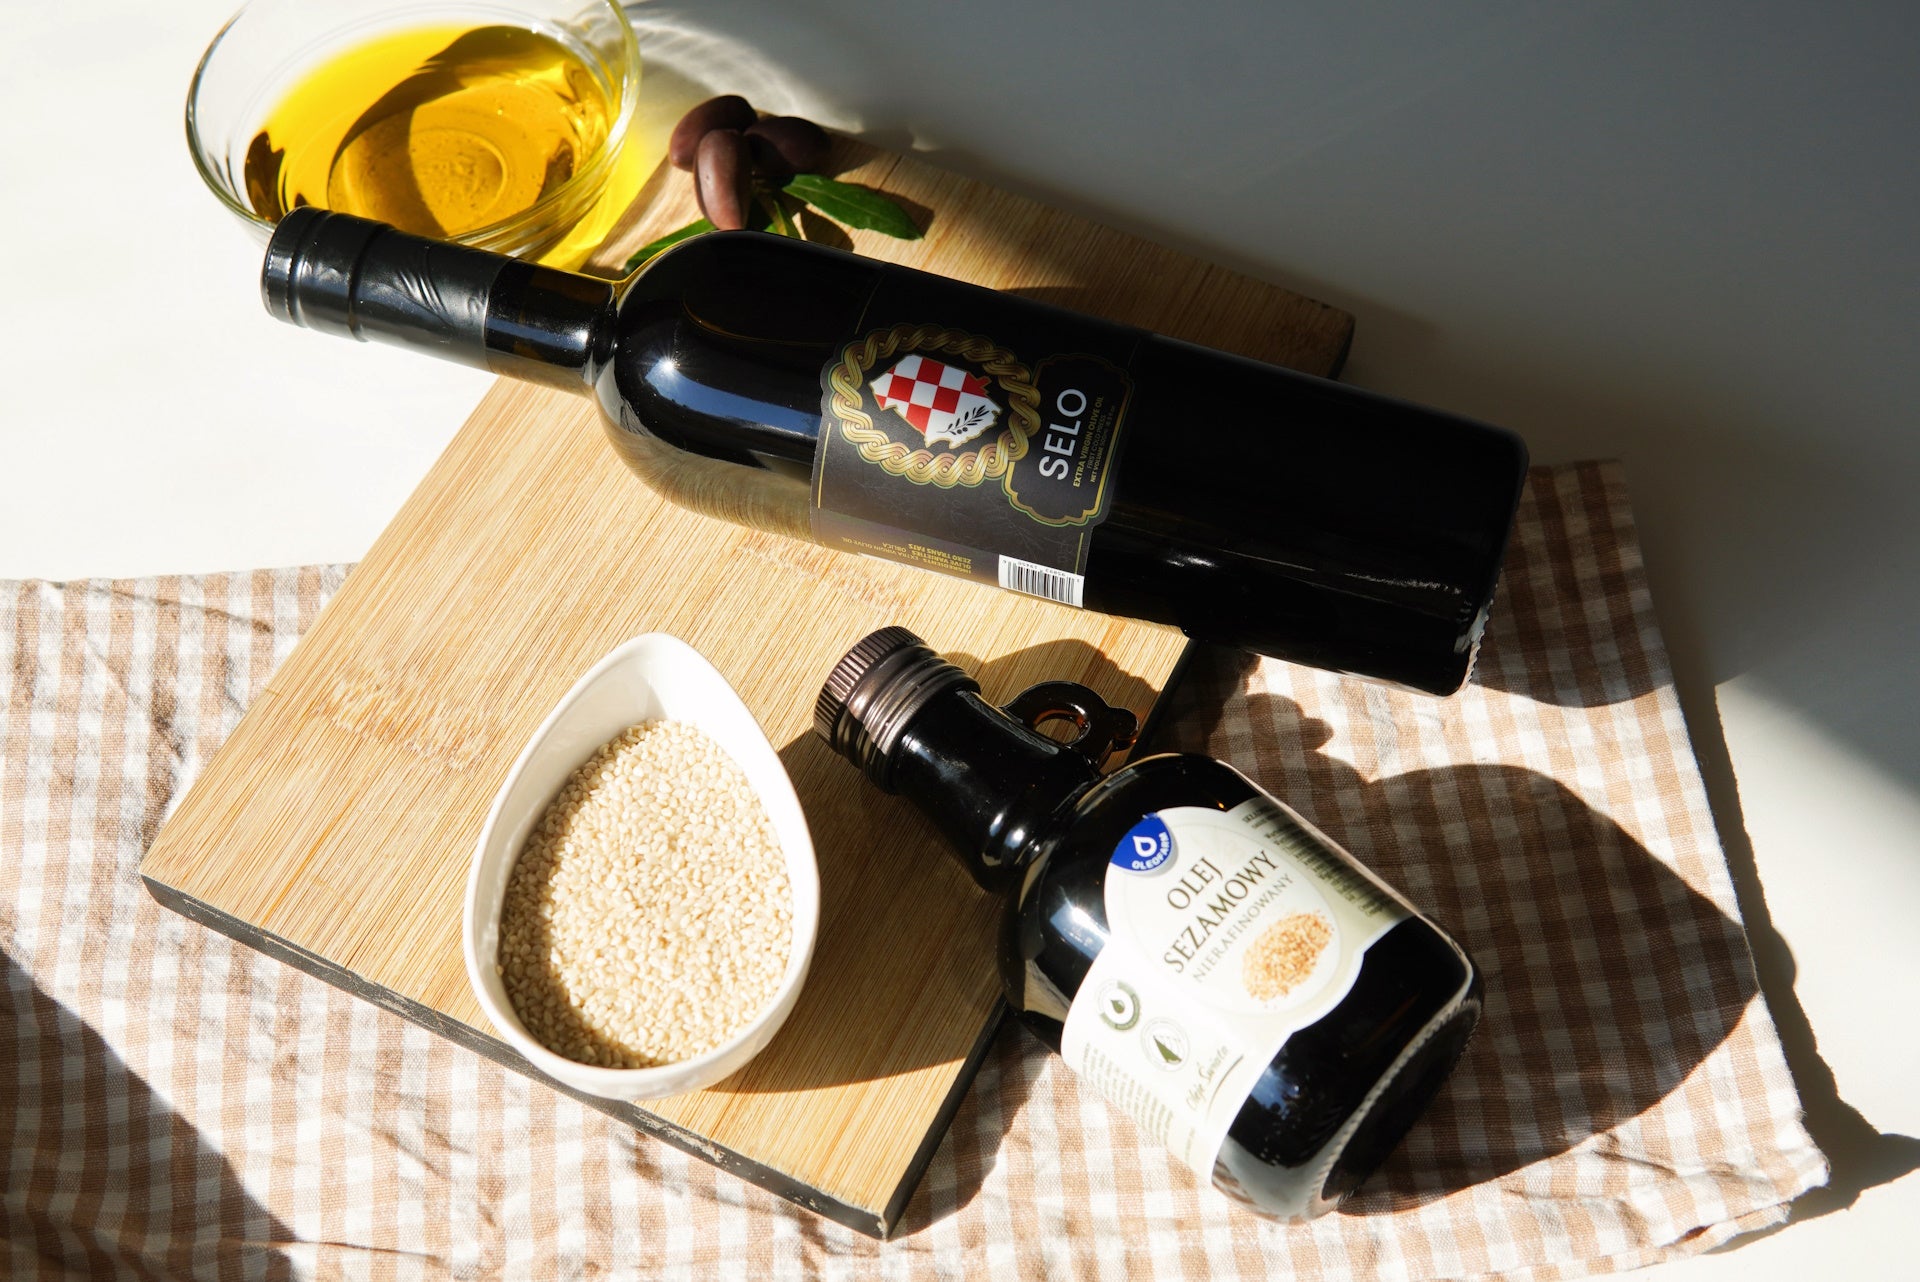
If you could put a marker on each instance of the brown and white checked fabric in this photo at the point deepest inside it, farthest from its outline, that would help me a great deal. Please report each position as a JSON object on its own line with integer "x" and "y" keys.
{"x": 177, "y": 1105}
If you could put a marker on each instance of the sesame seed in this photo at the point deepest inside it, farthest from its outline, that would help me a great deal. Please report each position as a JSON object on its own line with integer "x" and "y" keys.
{"x": 648, "y": 917}
{"x": 1284, "y": 954}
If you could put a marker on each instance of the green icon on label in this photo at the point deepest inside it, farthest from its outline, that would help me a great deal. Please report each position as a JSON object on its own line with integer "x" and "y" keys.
{"x": 1166, "y": 1044}
{"x": 1119, "y": 1006}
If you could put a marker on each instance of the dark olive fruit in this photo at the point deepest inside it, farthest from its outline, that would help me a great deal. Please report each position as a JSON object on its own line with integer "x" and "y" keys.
{"x": 767, "y": 161}
{"x": 721, "y": 180}
{"x": 802, "y": 144}
{"x": 728, "y": 111}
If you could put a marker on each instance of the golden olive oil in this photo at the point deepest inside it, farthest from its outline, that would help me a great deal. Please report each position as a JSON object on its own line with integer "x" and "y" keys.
{"x": 436, "y": 130}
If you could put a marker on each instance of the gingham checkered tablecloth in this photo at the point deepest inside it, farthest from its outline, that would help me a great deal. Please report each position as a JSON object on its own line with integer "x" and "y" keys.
{"x": 178, "y": 1105}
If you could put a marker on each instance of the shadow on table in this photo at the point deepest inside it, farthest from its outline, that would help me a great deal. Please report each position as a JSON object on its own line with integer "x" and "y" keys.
{"x": 106, "y": 1178}
{"x": 1609, "y": 979}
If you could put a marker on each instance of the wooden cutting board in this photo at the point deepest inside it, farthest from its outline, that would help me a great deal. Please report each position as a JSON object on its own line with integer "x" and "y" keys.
{"x": 334, "y": 829}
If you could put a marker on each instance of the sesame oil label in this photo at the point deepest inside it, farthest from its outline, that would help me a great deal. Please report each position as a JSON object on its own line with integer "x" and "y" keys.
{"x": 1229, "y": 931}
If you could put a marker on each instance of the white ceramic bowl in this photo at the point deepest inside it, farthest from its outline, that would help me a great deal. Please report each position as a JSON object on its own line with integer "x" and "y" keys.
{"x": 651, "y": 676}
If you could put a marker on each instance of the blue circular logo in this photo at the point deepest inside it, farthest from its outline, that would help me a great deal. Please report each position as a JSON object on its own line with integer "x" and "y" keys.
{"x": 1147, "y": 846}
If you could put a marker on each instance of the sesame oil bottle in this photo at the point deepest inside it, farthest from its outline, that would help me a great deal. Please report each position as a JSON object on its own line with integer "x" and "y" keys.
{"x": 1250, "y": 995}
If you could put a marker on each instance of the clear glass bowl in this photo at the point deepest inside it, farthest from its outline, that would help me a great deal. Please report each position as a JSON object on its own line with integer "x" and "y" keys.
{"x": 270, "y": 46}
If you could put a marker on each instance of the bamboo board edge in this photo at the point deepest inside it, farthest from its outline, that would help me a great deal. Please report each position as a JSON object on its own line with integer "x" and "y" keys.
{"x": 873, "y": 1223}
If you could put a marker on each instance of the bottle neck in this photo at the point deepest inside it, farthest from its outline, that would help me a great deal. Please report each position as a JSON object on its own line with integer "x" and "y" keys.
{"x": 988, "y": 783}
{"x": 364, "y": 280}
{"x": 993, "y": 785}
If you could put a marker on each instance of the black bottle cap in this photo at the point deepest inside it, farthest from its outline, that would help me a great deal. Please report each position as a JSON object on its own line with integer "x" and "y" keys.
{"x": 874, "y": 691}
{"x": 361, "y": 279}
{"x": 307, "y": 278}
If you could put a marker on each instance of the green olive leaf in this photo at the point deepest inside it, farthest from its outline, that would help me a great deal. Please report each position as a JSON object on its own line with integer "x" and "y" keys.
{"x": 860, "y": 207}
{"x": 672, "y": 238}
{"x": 778, "y": 220}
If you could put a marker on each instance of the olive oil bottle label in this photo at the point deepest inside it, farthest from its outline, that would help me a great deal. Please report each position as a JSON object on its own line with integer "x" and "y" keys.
{"x": 965, "y": 436}
{"x": 1229, "y": 932}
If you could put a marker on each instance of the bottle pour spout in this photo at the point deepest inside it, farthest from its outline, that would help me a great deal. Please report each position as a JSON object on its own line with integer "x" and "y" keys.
{"x": 874, "y": 691}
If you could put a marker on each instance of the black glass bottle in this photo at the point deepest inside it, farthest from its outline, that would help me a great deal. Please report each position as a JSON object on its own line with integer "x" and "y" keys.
{"x": 1284, "y": 1094}
{"x": 1250, "y": 505}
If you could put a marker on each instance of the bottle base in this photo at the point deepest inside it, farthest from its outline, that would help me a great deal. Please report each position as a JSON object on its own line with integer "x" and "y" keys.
{"x": 1402, "y": 1096}
{"x": 1381, "y": 1120}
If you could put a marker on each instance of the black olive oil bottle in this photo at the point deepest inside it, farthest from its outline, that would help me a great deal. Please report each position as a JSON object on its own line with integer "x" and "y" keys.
{"x": 905, "y": 415}
{"x": 1252, "y": 997}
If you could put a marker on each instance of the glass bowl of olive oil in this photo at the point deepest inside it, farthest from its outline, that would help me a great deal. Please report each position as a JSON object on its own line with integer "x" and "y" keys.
{"x": 509, "y": 126}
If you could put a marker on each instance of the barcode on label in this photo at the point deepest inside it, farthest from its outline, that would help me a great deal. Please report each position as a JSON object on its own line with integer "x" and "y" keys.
{"x": 1041, "y": 580}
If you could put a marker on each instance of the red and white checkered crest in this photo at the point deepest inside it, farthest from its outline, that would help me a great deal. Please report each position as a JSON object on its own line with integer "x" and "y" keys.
{"x": 942, "y": 402}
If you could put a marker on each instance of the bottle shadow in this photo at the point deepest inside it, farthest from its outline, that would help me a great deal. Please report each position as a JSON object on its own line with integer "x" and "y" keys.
{"x": 1860, "y": 1156}
{"x": 1609, "y": 979}
{"x": 113, "y": 1180}
{"x": 1603, "y": 994}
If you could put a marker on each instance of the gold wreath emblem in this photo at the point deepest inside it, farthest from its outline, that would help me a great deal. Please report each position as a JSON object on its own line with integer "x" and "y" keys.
{"x": 922, "y": 466}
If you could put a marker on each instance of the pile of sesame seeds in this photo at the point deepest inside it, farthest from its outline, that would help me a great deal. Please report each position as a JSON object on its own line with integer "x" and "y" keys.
{"x": 1284, "y": 954}
{"x": 649, "y": 917}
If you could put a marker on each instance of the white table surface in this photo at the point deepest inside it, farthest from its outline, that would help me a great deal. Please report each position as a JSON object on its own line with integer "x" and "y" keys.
{"x": 1680, "y": 234}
